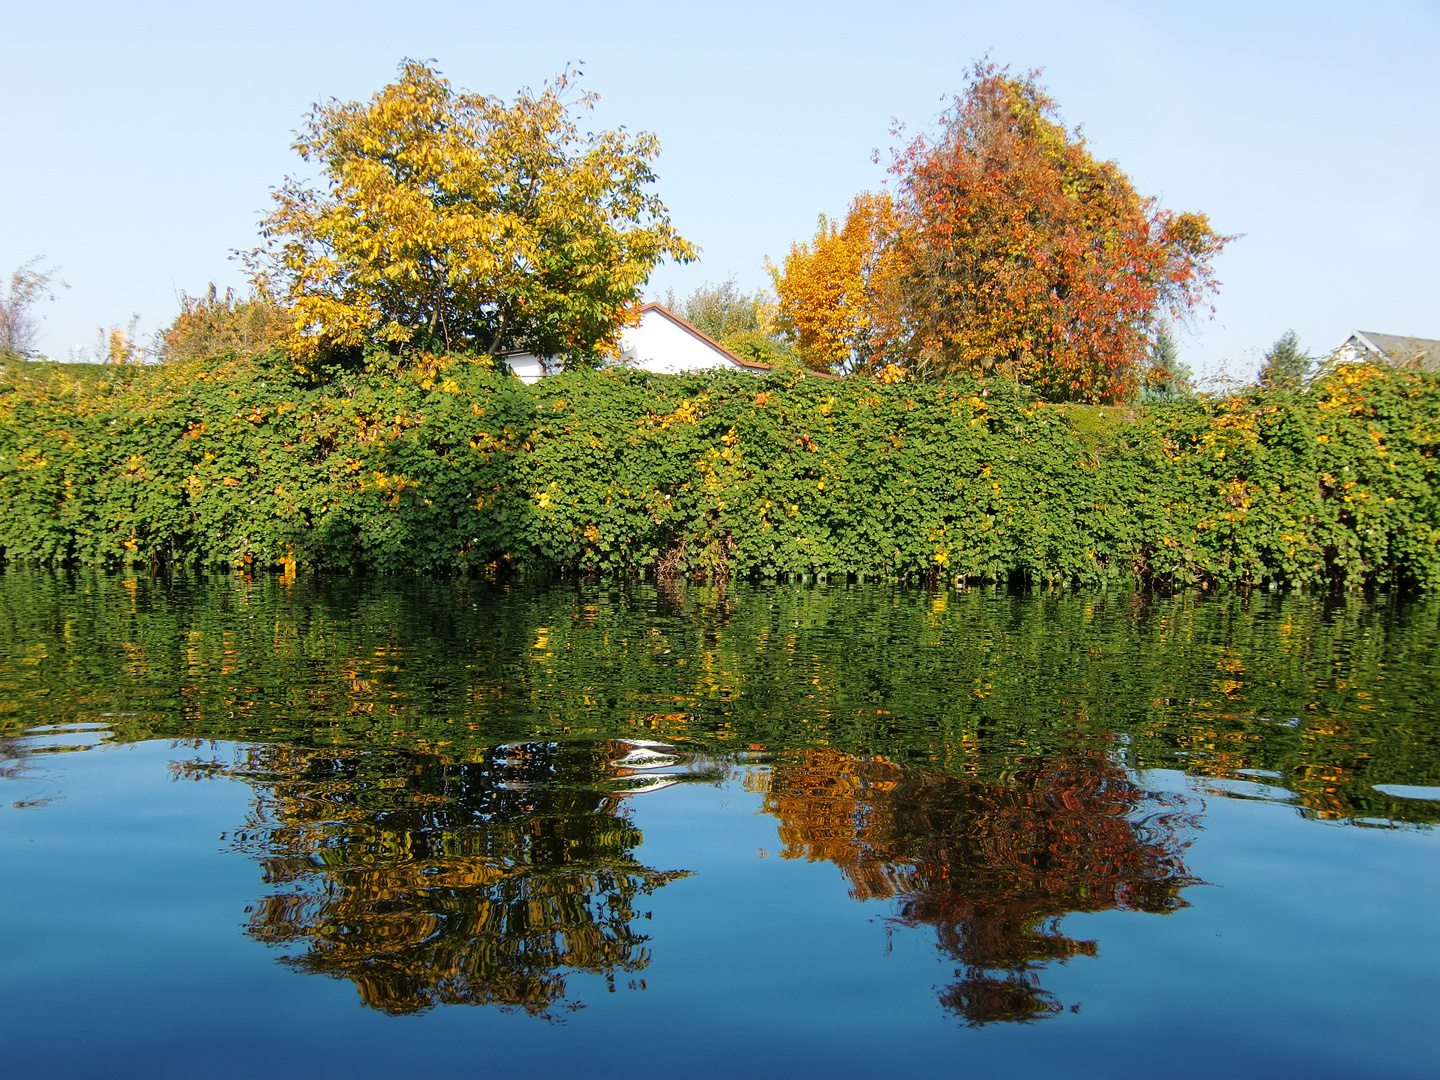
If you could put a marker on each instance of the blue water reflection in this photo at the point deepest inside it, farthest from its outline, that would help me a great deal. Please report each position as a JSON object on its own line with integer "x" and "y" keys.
{"x": 266, "y": 833}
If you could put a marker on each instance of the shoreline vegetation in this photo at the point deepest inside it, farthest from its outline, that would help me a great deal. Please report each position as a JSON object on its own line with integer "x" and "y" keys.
{"x": 1002, "y": 399}
{"x": 445, "y": 464}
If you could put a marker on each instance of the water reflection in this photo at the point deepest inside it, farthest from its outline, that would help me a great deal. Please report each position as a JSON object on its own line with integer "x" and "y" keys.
{"x": 1332, "y": 697}
{"x": 991, "y": 867}
{"x": 403, "y": 850}
{"x": 492, "y": 880}
{"x": 426, "y": 881}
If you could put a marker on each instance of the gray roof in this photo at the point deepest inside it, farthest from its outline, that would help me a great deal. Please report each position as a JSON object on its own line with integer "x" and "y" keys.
{"x": 1416, "y": 352}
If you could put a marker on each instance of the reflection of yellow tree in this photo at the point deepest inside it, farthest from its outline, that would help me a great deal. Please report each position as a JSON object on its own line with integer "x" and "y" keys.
{"x": 993, "y": 867}
{"x": 429, "y": 882}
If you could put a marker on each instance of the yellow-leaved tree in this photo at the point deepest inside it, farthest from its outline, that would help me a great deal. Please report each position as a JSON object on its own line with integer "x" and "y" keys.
{"x": 836, "y": 294}
{"x": 456, "y": 220}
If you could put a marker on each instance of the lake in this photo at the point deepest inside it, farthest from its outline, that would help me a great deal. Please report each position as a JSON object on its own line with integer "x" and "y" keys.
{"x": 377, "y": 827}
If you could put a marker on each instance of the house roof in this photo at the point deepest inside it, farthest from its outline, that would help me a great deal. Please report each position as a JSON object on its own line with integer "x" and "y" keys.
{"x": 1418, "y": 352}
{"x": 752, "y": 365}
{"x": 706, "y": 338}
{"x": 662, "y": 310}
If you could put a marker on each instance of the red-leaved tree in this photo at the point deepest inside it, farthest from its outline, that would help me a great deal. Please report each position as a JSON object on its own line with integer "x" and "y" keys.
{"x": 1025, "y": 254}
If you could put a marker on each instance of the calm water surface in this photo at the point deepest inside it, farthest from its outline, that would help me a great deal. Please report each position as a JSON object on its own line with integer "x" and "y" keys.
{"x": 372, "y": 828}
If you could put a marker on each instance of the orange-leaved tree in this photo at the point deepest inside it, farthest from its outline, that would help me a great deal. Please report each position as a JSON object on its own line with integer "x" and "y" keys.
{"x": 1022, "y": 252}
{"x": 837, "y": 293}
{"x": 465, "y": 221}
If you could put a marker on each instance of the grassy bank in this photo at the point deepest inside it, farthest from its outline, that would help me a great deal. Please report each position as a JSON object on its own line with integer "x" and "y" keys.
{"x": 437, "y": 464}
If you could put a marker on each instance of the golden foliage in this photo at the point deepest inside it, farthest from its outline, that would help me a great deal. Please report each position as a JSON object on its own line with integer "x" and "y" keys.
{"x": 836, "y": 293}
{"x": 465, "y": 220}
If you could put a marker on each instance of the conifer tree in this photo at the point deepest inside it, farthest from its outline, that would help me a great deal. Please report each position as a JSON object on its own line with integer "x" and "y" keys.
{"x": 1285, "y": 366}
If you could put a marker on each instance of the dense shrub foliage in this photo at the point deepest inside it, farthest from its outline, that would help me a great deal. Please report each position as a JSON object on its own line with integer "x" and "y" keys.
{"x": 429, "y": 463}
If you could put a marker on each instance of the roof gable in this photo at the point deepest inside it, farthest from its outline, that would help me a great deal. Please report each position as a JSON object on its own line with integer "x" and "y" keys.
{"x": 660, "y": 342}
{"x": 1417, "y": 352}
{"x": 661, "y": 311}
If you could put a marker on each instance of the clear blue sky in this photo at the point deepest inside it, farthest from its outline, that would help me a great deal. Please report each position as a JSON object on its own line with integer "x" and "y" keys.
{"x": 143, "y": 139}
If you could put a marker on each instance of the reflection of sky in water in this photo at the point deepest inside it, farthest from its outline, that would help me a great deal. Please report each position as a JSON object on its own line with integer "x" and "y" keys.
{"x": 1409, "y": 791}
{"x": 848, "y": 827}
{"x": 132, "y": 877}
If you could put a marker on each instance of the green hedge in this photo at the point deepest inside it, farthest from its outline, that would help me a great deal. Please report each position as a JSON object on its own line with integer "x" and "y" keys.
{"x": 435, "y": 464}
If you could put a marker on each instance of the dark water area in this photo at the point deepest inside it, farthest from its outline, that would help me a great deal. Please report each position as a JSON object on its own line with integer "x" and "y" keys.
{"x": 368, "y": 828}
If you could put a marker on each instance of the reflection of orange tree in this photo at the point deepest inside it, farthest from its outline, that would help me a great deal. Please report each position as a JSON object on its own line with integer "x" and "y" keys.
{"x": 429, "y": 882}
{"x": 992, "y": 866}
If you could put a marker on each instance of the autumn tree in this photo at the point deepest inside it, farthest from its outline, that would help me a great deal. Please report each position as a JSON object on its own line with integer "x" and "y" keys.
{"x": 460, "y": 219}
{"x": 1022, "y": 252}
{"x": 215, "y": 324}
{"x": 837, "y": 292}
{"x": 1007, "y": 248}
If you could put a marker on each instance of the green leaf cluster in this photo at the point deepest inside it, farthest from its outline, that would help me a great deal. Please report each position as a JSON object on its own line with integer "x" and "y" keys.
{"x": 429, "y": 463}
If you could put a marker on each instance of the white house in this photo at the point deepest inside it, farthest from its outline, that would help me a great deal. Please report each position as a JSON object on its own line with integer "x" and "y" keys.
{"x": 1364, "y": 346}
{"x": 661, "y": 342}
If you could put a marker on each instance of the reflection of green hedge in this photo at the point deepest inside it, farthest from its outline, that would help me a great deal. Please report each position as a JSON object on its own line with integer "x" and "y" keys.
{"x": 1333, "y": 693}
{"x": 437, "y": 464}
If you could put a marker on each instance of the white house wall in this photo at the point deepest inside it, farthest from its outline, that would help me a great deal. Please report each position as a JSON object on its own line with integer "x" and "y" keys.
{"x": 1352, "y": 352}
{"x": 526, "y": 367}
{"x": 662, "y": 346}
{"x": 658, "y": 344}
